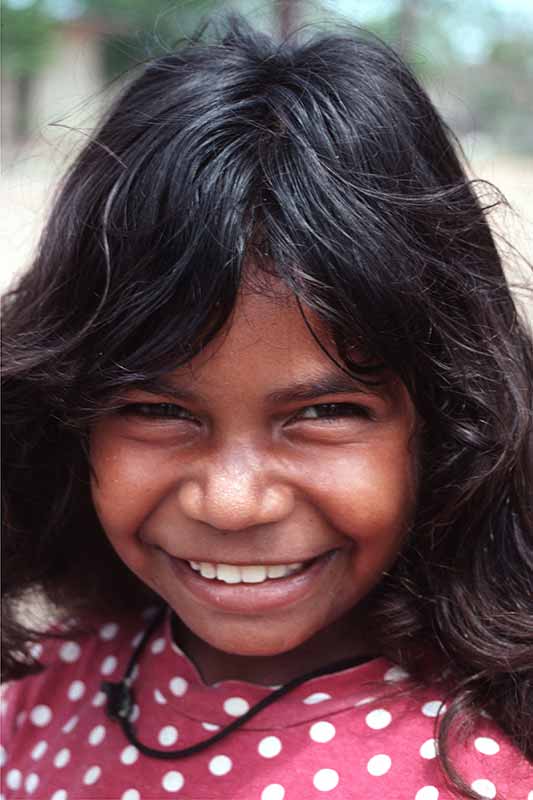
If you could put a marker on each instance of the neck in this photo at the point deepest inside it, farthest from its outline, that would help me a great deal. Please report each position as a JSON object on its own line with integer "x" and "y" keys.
{"x": 338, "y": 642}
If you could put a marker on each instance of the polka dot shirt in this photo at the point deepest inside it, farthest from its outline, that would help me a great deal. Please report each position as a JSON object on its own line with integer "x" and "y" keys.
{"x": 347, "y": 735}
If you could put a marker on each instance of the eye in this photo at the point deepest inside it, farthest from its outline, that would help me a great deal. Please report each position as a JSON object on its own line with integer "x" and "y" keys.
{"x": 156, "y": 411}
{"x": 330, "y": 412}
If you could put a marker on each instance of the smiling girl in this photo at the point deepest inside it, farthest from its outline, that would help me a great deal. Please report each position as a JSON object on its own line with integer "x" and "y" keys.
{"x": 268, "y": 407}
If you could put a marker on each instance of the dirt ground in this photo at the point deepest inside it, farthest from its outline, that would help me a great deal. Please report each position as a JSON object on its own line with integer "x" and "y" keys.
{"x": 29, "y": 177}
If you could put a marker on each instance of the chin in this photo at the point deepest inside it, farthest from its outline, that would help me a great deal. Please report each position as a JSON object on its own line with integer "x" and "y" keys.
{"x": 241, "y": 644}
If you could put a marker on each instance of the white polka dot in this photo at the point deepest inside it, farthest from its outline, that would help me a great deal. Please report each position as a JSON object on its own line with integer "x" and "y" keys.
{"x": 530, "y": 795}
{"x": 21, "y": 718}
{"x": 134, "y": 673}
{"x": 70, "y": 724}
{"x": 273, "y": 791}
{"x": 159, "y": 697}
{"x": 168, "y": 735}
{"x": 108, "y": 665}
{"x": 3, "y": 755}
{"x": 92, "y": 775}
{"x": 129, "y": 755}
{"x": 433, "y": 708}
{"x": 70, "y": 652}
{"x": 158, "y": 646}
{"x": 62, "y": 758}
{"x": 135, "y": 711}
{"x": 322, "y": 731}
{"x": 236, "y": 706}
{"x": 97, "y": 735}
{"x": 76, "y": 690}
{"x": 220, "y": 765}
{"x": 14, "y": 778}
{"x": 131, "y": 794}
{"x": 109, "y": 631}
{"x": 36, "y": 650}
{"x": 39, "y": 750}
{"x": 209, "y": 726}
{"x": 484, "y": 787}
{"x": 364, "y": 701}
{"x": 487, "y": 746}
{"x": 99, "y": 699}
{"x": 379, "y": 765}
{"x": 395, "y": 674}
{"x": 316, "y": 697}
{"x": 427, "y": 793}
{"x": 429, "y": 749}
{"x": 178, "y": 686}
{"x": 59, "y": 795}
{"x": 269, "y": 747}
{"x": 41, "y": 716}
{"x": 378, "y": 718}
{"x": 137, "y": 639}
{"x": 31, "y": 782}
{"x": 325, "y": 780}
{"x": 173, "y": 781}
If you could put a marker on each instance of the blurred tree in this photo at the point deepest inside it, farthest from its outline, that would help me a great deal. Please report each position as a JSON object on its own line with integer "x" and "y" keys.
{"x": 476, "y": 58}
{"x": 131, "y": 26}
{"x": 407, "y": 22}
{"x": 288, "y": 12}
{"x": 26, "y": 45}
{"x": 144, "y": 28}
{"x": 129, "y": 30}
{"x": 25, "y": 38}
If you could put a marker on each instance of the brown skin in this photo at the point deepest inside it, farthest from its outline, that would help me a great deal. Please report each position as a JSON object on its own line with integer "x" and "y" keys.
{"x": 245, "y": 479}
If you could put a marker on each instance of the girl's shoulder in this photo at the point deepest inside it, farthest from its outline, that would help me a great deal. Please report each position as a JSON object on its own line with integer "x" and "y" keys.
{"x": 73, "y": 664}
{"x": 388, "y": 731}
{"x": 408, "y": 724}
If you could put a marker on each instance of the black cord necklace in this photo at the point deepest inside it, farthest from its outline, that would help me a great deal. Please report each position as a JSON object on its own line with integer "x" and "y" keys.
{"x": 121, "y": 699}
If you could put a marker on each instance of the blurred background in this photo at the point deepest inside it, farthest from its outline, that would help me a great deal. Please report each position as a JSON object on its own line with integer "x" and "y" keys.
{"x": 63, "y": 60}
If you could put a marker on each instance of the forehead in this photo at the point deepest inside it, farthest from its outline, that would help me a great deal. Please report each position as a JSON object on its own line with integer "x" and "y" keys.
{"x": 267, "y": 335}
{"x": 273, "y": 351}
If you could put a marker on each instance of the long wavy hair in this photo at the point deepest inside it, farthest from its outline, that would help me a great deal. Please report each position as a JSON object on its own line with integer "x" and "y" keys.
{"x": 325, "y": 162}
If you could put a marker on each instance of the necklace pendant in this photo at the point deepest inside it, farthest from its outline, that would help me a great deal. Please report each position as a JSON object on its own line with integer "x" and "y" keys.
{"x": 119, "y": 700}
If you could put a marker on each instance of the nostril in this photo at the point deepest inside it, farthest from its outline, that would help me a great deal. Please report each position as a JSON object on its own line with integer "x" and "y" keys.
{"x": 190, "y": 497}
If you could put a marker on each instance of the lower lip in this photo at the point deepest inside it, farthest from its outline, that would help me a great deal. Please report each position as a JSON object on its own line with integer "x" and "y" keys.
{"x": 252, "y": 598}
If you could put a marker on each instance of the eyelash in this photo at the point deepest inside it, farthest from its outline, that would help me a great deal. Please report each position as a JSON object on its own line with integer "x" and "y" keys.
{"x": 172, "y": 411}
{"x": 156, "y": 411}
{"x": 345, "y": 409}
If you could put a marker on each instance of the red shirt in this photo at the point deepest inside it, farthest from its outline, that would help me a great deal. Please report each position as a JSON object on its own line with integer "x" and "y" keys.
{"x": 346, "y": 735}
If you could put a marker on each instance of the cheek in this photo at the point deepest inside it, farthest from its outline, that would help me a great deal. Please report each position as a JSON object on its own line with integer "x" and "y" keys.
{"x": 124, "y": 484}
{"x": 373, "y": 496}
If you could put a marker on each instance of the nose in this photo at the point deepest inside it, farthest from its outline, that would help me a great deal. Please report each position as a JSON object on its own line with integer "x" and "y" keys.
{"x": 236, "y": 495}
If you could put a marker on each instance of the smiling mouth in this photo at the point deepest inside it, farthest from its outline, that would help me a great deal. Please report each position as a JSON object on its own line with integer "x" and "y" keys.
{"x": 247, "y": 588}
{"x": 249, "y": 573}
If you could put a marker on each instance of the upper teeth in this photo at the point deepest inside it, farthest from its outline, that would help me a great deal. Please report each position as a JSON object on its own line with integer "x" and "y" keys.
{"x": 251, "y": 573}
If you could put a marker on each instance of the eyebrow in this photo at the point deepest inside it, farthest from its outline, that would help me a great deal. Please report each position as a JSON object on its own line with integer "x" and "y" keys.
{"x": 328, "y": 384}
{"x": 337, "y": 383}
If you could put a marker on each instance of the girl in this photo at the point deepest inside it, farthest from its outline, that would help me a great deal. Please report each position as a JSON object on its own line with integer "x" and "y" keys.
{"x": 268, "y": 408}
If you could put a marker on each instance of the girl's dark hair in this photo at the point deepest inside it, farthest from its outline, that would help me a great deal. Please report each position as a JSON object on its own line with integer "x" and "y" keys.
{"x": 325, "y": 163}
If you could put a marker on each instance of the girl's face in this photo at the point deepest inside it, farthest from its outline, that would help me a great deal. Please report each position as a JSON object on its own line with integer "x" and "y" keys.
{"x": 263, "y": 456}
